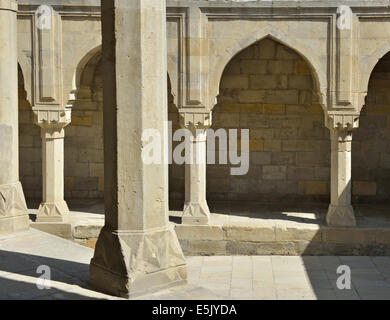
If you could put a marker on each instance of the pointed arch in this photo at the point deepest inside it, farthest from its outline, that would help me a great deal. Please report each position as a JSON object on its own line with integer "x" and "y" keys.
{"x": 367, "y": 65}
{"x": 320, "y": 78}
{"x": 78, "y": 72}
{"x": 24, "y": 63}
{"x": 174, "y": 80}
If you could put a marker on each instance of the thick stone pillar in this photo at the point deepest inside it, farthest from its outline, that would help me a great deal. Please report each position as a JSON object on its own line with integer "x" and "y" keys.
{"x": 137, "y": 250}
{"x": 340, "y": 211}
{"x": 196, "y": 210}
{"x": 13, "y": 209}
{"x": 52, "y": 122}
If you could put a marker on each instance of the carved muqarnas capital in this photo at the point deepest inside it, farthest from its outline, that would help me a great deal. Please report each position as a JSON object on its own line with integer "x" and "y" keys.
{"x": 195, "y": 119}
{"x": 52, "y": 118}
{"x": 342, "y": 121}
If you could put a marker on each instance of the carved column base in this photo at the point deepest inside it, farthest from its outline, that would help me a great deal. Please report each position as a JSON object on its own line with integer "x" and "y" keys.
{"x": 130, "y": 264}
{"x": 13, "y": 209}
{"x": 196, "y": 213}
{"x": 52, "y": 212}
{"x": 341, "y": 216}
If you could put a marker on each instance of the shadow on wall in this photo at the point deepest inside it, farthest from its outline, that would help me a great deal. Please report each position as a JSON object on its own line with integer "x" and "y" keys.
{"x": 30, "y": 148}
{"x": 371, "y": 142}
{"x": 84, "y": 154}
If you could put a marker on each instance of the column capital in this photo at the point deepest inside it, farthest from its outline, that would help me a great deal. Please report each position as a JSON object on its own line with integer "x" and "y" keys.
{"x": 194, "y": 118}
{"x": 52, "y": 118}
{"x": 342, "y": 121}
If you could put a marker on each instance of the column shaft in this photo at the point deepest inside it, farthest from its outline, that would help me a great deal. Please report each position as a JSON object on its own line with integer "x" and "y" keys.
{"x": 53, "y": 207}
{"x": 137, "y": 251}
{"x": 13, "y": 209}
{"x": 340, "y": 210}
{"x": 196, "y": 210}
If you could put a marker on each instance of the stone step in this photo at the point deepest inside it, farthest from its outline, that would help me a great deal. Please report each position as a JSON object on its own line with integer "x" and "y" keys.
{"x": 297, "y": 235}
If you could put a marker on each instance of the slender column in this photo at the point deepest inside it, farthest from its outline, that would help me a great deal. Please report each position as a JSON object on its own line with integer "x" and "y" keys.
{"x": 13, "y": 209}
{"x": 137, "y": 250}
{"x": 340, "y": 210}
{"x": 52, "y": 122}
{"x": 196, "y": 210}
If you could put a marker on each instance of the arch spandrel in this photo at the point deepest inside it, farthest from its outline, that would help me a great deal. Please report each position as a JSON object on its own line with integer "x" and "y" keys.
{"x": 313, "y": 60}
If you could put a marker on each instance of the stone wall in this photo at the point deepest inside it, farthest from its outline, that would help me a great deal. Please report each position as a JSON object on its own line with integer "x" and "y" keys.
{"x": 268, "y": 89}
{"x": 84, "y": 157}
{"x": 84, "y": 154}
{"x": 176, "y": 172}
{"x": 30, "y": 147}
{"x": 371, "y": 142}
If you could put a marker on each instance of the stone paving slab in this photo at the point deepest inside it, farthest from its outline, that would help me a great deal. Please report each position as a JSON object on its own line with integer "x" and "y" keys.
{"x": 209, "y": 278}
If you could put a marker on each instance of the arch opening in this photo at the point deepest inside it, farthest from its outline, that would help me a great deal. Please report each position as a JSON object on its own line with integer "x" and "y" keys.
{"x": 84, "y": 153}
{"x": 371, "y": 142}
{"x": 30, "y": 146}
{"x": 270, "y": 89}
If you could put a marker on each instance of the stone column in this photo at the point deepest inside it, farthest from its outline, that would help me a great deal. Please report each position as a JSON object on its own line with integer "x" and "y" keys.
{"x": 137, "y": 250}
{"x": 13, "y": 209}
{"x": 52, "y": 122}
{"x": 196, "y": 210}
{"x": 340, "y": 211}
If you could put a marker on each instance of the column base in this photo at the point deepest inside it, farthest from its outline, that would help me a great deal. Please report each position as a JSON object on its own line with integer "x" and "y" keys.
{"x": 52, "y": 212}
{"x": 196, "y": 213}
{"x": 130, "y": 264}
{"x": 341, "y": 216}
{"x": 13, "y": 209}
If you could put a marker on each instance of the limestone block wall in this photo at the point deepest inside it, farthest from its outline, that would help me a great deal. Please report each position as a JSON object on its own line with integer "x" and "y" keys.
{"x": 371, "y": 142}
{"x": 30, "y": 147}
{"x": 176, "y": 172}
{"x": 84, "y": 155}
{"x": 84, "y": 158}
{"x": 268, "y": 89}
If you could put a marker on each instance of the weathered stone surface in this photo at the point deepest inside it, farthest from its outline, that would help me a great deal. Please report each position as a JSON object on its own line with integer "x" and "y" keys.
{"x": 137, "y": 250}
{"x": 342, "y": 235}
{"x": 203, "y": 247}
{"x": 59, "y": 229}
{"x": 194, "y": 232}
{"x": 286, "y": 233}
{"x": 52, "y": 212}
{"x": 13, "y": 210}
{"x": 342, "y": 216}
{"x": 255, "y": 234}
{"x": 86, "y": 231}
{"x": 139, "y": 263}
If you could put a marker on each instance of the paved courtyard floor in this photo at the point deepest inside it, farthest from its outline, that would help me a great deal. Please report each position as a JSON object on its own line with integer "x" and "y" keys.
{"x": 237, "y": 277}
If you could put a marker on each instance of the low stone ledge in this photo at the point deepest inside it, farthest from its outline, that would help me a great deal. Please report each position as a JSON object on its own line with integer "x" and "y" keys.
{"x": 203, "y": 247}
{"x": 247, "y": 238}
{"x": 349, "y": 235}
{"x": 382, "y": 236}
{"x": 196, "y": 232}
{"x": 250, "y": 234}
{"x": 62, "y": 230}
{"x": 86, "y": 231}
{"x": 286, "y": 233}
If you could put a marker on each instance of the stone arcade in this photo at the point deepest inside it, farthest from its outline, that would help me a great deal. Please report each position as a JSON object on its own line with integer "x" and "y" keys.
{"x": 300, "y": 80}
